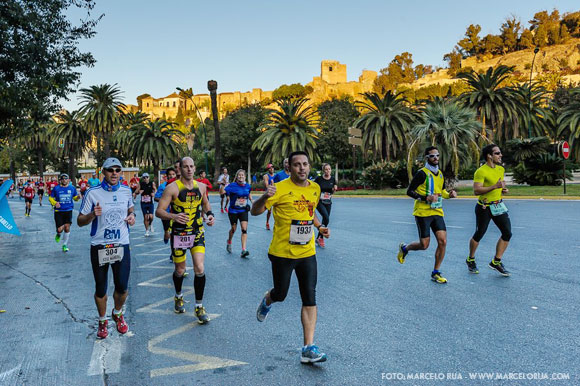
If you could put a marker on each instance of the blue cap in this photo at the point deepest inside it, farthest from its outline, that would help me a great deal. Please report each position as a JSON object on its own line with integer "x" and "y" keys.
{"x": 112, "y": 161}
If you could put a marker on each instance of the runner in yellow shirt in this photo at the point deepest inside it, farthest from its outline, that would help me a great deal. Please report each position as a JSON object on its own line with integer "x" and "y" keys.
{"x": 292, "y": 247}
{"x": 489, "y": 185}
{"x": 427, "y": 188}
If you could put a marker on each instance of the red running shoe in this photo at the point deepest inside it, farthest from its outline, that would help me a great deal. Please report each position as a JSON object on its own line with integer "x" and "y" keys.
{"x": 222, "y": 210}
{"x": 122, "y": 326}
{"x": 102, "y": 333}
{"x": 320, "y": 242}
{"x": 267, "y": 226}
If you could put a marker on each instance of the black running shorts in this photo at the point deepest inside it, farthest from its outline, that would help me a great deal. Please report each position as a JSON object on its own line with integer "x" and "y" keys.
{"x": 435, "y": 223}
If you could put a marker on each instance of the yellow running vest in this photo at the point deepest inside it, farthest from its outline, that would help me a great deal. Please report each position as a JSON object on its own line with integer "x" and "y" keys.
{"x": 433, "y": 185}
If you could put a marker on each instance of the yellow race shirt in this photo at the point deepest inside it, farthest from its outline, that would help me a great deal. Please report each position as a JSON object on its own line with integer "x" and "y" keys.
{"x": 487, "y": 177}
{"x": 293, "y": 219}
{"x": 433, "y": 185}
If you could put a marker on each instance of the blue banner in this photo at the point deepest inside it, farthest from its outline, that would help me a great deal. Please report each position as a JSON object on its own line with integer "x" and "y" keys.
{"x": 7, "y": 223}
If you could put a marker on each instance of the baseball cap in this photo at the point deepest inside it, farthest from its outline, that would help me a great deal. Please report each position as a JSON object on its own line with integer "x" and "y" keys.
{"x": 112, "y": 161}
{"x": 269, "y": 166}
{"x": 63, "y": 175}
{"x": 145, "y": 175}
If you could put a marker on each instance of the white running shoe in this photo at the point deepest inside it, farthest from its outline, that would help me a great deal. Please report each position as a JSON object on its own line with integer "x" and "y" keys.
{"x": 147, "y": 234}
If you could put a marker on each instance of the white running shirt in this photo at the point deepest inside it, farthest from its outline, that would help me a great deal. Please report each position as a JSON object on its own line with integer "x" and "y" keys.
{"x": 111, "y": 226}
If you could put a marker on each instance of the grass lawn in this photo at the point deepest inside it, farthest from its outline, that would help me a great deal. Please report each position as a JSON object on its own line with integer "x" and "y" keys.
{"x": 572, "y": 191}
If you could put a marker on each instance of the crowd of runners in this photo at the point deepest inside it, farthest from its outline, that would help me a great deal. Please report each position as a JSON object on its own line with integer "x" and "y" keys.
{"x": 297, "y": 201}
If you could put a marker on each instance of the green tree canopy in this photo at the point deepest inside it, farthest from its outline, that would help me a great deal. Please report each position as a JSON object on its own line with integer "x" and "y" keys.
{"x": 39, "y": 55}
{"x": 295, "y": 90}
{"x": 336, "y": 116}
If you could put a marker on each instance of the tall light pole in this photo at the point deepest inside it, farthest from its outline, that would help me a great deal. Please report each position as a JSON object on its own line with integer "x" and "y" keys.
{"x": 536, "y": 50}
{"x": 205, "y": 151}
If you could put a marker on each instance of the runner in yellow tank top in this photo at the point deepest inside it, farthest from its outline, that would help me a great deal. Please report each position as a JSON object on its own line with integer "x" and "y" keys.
{"x": 427, "y": 188}
{"x": 188, "y": 201}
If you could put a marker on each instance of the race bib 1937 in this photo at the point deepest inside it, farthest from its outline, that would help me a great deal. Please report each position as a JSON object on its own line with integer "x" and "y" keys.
{"x": 111, "y": 253}
{"x": 301, "y": 232}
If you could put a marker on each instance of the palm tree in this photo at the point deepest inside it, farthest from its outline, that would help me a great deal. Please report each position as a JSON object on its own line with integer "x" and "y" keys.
{"x": 527, "y": 148}
{"x": 385, "y": 123}
{"x": 288, "y": 128}
{"x": 153, "y": 142}
{"x": 497, "y": 106}
{"x": 34, "y": 138}
{"x": 534, "y": 102}
{"x": 102, "y": 112}
{"x": 453, "y": 128}
{"x": 120, "y": 138}
{"x": 69, "y": 126}
{"x": 568, "y": 122}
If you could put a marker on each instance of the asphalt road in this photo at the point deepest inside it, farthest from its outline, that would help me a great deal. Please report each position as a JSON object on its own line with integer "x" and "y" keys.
{"x": 379, "y": 321}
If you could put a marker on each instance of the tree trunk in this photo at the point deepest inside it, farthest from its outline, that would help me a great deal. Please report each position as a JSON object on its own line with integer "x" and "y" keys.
{"x": 336, "y": 172}
{"x": 107, "y": 146}
{"x": 249, "y": 178}
{"x": 12, "y": 163}
{"x": 212, "y": 87}
{"x": 40, "y": 162}
{"x": 155, "y": 172}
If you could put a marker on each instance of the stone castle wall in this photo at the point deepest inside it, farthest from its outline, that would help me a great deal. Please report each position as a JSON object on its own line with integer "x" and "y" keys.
{"x": 332, "y": 82}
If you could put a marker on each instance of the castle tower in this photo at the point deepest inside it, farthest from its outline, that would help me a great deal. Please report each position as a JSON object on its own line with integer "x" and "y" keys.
{"x": 332, "y": 72}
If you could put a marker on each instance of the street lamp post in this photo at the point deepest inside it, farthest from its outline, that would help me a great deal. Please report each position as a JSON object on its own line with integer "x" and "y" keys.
{"x": 205, "y": 151}
{"x": 536, "y": 50}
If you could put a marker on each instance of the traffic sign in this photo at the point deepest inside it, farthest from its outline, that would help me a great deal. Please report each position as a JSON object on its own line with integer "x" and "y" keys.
{"x": 565, "y": 150}
{"x": 355, "y": 141}
{"x": 355, "y": 132}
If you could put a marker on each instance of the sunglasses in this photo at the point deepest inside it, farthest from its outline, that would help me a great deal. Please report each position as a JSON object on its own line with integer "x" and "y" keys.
{"x": 432, "y": 155}
{"x": 111, "y": 170}
{"x": 497, "y": 153}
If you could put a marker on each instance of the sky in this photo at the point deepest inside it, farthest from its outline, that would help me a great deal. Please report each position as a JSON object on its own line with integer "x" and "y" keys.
{"x": 147, "y": 46}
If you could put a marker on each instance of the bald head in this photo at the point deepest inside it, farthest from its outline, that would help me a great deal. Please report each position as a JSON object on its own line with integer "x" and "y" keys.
{"x": 187, "y": 167}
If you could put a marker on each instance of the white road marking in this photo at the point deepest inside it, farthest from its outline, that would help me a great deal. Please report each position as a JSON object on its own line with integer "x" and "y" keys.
{"x": 149, "y": 242}
{"x": 454, "y": 226}
{"x": 403, "y": 222}
{"x": 6, "y": 374}
{"x": 106, "y": 356}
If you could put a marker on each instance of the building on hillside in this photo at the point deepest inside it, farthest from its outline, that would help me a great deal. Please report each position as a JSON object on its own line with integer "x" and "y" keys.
{"x": 332, "y": 82}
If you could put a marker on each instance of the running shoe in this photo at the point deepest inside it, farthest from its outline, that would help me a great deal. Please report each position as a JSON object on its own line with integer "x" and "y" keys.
{"x": 179, "y": 305}
{"x": 166, "y": 241}
{"x": 57, "y": 238}
{"x": 471, "y": 266}
{"x": 227, "y": 211}
{"x": 147, "y": 234}
{"x": 267, "y": 226}
{"x": 119, "y": 320}
{"x": 402, "y": 253}
{"x": 222, "y": 210}
{"x": 151, "y": 228}
{"x": 65, "y": 248}
{"x": 263, "y": 309}
{"x": 229, "y": 247}
{"x": 437, "y": 278}
{"x": 320, "y": 242}
{"x": 103, "y": 332}
{"x": 202, "y": 315}
{"x": 498, "y": 266}
{"x": 311, "y": 354}
{"x": 245, "y": 254}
